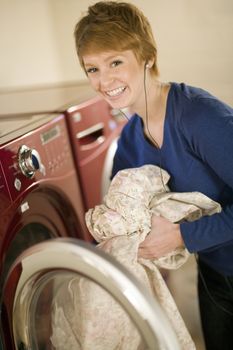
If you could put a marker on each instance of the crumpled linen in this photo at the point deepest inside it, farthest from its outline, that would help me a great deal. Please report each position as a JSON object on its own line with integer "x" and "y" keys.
{"x": 120, "y": 224}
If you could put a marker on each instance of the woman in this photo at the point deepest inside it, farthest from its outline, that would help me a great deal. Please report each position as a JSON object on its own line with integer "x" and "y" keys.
{"x": 184, "y": 130}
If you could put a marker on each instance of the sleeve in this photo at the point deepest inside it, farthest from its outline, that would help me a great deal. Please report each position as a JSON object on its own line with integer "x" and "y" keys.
{"x": 212, "y": 140}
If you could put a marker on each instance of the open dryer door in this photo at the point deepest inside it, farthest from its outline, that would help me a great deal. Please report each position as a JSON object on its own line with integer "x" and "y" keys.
{"x": 32, "y": 296}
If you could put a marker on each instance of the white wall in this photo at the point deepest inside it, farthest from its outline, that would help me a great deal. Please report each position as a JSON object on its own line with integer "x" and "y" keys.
{"x": 27, "y": 44}
{"x": 194, "y": 42}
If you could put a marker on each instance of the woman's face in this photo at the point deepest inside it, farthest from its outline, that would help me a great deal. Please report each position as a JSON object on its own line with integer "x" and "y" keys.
{"x": 117, "y": 76}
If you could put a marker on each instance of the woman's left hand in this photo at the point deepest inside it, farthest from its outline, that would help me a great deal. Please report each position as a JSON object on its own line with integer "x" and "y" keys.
{"x": 163, "y": 238}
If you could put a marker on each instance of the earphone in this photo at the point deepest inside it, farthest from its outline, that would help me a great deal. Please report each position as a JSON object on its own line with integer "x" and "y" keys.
{"x": 147, "y": 65}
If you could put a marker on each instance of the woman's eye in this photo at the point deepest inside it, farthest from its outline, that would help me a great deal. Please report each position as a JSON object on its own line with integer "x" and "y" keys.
{"x": 116, "y": 63}
{"x": 91, "y": 70}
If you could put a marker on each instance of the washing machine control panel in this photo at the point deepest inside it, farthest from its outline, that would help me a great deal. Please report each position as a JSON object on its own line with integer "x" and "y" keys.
{"x": 41, "y": 154}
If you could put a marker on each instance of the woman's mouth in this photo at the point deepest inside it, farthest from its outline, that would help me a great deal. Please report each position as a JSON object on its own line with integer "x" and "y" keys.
{"x": 115, "y": 92}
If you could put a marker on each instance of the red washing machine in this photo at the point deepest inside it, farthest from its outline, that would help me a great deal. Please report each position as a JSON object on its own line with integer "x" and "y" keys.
{"x": 40, "y": 197}
{"x": 94, "y": 129}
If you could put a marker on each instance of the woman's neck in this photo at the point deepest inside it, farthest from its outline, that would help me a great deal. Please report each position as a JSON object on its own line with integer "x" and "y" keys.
{"x": 149, "y": 105}
{"x": 154, "y": 111}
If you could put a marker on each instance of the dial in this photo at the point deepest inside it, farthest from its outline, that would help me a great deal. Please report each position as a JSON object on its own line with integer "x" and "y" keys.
{"x": 29, "y": 161}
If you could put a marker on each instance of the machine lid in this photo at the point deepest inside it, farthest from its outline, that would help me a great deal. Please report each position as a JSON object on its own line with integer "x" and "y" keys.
{"x": 43, "y": 99}
{"x": 58, "y": 288}
{"x": 23, "y": 110}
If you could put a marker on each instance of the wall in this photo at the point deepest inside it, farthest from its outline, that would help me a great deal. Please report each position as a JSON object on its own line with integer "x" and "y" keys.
{"x": 194, "y": 42}
{"x": 28, "y": 44}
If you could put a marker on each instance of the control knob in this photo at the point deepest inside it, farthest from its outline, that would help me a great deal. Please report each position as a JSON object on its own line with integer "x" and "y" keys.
{"x": 29, "y": 161}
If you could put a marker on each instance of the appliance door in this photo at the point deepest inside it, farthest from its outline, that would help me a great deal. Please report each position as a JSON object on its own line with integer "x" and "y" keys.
{"x": 34, "y": 295}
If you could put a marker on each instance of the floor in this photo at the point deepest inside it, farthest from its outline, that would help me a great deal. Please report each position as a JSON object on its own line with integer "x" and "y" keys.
{"x": 182, "y": 284}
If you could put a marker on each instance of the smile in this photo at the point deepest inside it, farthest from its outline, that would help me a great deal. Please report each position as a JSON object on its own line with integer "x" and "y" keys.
{"x": 115, "y": 92}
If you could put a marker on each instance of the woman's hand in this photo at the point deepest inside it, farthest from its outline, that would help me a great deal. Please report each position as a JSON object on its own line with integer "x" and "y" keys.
{"x": 163, "y": 238}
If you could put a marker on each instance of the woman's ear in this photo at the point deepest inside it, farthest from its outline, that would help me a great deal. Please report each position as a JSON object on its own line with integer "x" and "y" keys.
{"x": 149, "y": 63}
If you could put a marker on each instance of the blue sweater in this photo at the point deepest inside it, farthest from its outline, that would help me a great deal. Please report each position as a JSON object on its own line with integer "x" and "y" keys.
{"x": 197, "y": 152}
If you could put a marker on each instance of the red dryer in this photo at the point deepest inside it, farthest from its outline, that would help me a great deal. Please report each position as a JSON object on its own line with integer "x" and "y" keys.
{"x": 94, "y": 129}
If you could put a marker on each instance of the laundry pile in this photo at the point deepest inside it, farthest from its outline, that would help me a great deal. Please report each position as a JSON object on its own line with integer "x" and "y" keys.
{"x": 83, "y": 313}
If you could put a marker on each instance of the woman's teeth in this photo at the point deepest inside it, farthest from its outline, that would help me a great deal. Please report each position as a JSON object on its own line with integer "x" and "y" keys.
{"x": 115, "y": 92}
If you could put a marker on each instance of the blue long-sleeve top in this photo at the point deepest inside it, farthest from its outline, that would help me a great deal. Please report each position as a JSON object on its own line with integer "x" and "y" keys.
{"x": 197, "y": 152}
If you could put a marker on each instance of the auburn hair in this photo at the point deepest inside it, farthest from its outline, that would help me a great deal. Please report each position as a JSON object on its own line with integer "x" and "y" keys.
{"x": 112, "y": 25}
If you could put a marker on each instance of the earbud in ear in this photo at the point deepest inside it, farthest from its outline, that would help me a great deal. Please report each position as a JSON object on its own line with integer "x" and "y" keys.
{"x": 147, "y": 65}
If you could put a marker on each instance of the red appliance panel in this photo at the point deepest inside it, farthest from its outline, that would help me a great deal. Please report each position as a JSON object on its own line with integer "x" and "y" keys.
{"x": 93, "y": 127}
{"x": 51, "y": 197}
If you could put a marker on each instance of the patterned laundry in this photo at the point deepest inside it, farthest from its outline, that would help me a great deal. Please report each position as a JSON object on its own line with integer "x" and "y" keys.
{"x": 82, "y": 309}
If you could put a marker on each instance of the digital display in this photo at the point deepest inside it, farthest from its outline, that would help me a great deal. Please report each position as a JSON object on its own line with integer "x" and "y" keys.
{"x": 51, "y": 134}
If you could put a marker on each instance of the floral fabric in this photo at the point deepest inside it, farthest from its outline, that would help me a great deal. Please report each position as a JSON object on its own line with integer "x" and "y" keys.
{"x": 120, "y": 224}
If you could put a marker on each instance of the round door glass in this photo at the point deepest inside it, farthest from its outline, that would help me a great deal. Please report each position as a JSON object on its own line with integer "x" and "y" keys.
{"x": 73, "y": 312}
{"x": 70, "y": 295}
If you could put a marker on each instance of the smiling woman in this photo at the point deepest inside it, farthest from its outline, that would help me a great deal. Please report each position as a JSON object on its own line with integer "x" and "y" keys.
{"x": 184, "y": 130}
{"x": 112, "y": 64}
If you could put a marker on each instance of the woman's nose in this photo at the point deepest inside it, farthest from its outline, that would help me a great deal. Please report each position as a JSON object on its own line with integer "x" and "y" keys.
{"x": 106, "y": 77}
